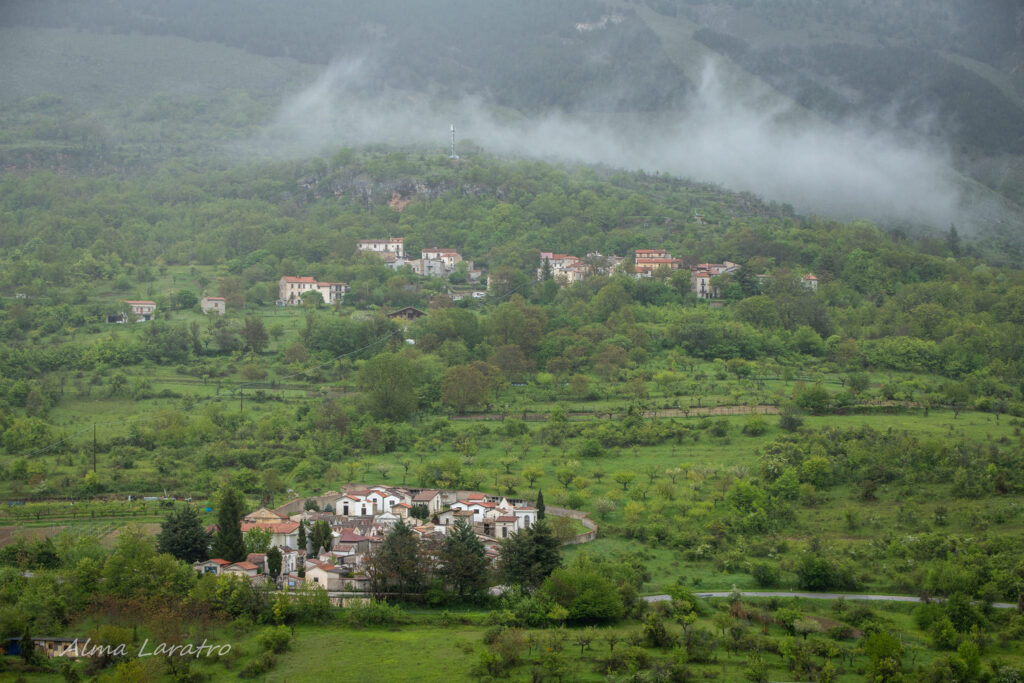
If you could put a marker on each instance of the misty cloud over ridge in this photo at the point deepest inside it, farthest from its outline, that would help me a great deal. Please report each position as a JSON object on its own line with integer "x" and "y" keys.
{"x": 742, "y": 142}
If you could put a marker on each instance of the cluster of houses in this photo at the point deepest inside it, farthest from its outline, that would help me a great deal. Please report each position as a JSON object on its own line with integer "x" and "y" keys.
{"x": 360, "y": 517}
{"x": 568, "y": 269}
{"x": 565, "y": 268}
{"x": 433, "y": 261}
{"x": 646, "y": 263}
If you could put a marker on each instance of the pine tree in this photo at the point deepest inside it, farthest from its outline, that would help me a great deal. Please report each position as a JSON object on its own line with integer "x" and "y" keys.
{"x": 463, "y": 560}
{"x": 540, "y": 505}
{"x": 530, "y": 555}
{"x": 183, "y": 536}
{"x": 228, "y": 543}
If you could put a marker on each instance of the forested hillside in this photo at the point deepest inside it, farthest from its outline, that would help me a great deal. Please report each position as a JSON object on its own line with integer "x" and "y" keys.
{"x": 788, "y": 401}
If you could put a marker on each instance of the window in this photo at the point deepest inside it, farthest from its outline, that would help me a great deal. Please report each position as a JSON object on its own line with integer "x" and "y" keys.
{"x": 504, "y": 532}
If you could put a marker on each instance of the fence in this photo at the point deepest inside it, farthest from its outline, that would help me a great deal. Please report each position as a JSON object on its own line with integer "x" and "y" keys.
{"x": 575, "y": 514}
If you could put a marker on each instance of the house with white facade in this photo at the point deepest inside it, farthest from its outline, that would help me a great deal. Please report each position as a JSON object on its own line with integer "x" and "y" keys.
{"x": 391, "y": 245}
{"x": 810, "y": 282}
{"x": 701, "y": 274}
{"x": 142, "y": 310}
{"x": 449, "y": 257}
{"x": 290, "y": 290}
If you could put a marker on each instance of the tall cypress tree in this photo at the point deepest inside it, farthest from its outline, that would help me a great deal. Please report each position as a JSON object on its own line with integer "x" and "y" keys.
{"x": 540, "y": 504}
{"x": 302, "y": 536}
{"x": 228, "y": 543}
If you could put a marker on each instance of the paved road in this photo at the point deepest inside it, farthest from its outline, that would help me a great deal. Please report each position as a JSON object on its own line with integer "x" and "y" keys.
{"x": 813, "y": 596}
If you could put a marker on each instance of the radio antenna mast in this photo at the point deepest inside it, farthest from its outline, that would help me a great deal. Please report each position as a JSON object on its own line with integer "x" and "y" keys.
{"x": 453, "y": 155}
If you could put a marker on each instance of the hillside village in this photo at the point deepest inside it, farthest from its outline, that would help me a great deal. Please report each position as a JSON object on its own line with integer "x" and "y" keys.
{"x": 359, "y": 518}
{"x": 566, "y": 269}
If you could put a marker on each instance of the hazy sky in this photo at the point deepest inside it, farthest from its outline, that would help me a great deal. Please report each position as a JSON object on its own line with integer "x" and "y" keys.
{"x": 735, "y": 140}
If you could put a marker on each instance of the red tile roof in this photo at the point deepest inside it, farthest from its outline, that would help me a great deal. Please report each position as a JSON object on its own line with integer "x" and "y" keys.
{"x": 248, "y": 566}
{"x": 282, "y": 528}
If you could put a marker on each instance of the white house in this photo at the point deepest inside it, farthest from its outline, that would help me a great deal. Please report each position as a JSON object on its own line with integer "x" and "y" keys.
{"x": 383, "y": 499}
{"x": 700, "y": 280}
{"x": 449, "y": 257}
{"x": 392, "y": 245}
{"x": 810, "y": 282}
{"x": 290, "y": 290}
{"x": 142, "y": 310}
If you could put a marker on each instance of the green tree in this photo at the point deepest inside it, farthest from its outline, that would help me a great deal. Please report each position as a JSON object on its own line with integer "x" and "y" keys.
{"x": 257, "y": 540}
{"x": 228, "y": 543}
{"x": 254, "y": 334}
{"x": 583, "y": 590}
{"x": 321, "y": 536}
{"x": 274, "y": 562}
{"x": 388, "y": 384}
{"x": 463, "y": 562}
{"x": 541, "y": 510}
{"x": 182, "y": 535}
{"x": 530, "y": 555}
{"x": 302, "y": 540}
{"x": 464, "y": 386}
{"x": 396, "y": 566}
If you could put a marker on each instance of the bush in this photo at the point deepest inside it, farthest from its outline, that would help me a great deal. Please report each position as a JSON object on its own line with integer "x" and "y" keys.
{"x": 374, "y": 613}
{"x": 766, "y": 575}
{"x": 274, "y": 639}
{"x": 755, "y": 425}
{"x": 262, "y": 664}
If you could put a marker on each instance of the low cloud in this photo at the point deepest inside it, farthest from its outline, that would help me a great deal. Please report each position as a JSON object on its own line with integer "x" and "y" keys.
{"x": 743, "y": 142}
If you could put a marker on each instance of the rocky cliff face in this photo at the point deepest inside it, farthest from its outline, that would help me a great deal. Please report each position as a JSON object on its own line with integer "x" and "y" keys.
{"x": 395, "y": 193}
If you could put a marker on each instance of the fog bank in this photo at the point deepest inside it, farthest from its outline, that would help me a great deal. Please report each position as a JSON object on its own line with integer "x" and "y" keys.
{"x": 736, "y": 140}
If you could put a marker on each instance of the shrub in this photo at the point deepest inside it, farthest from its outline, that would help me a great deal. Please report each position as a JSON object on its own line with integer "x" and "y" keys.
{"x": 766, "y": 575}
{"x": 374, "y": 613}
{"x": 755, "y": 425}
{"x": 274, "y": 639}
{"x": 262, "y": 664}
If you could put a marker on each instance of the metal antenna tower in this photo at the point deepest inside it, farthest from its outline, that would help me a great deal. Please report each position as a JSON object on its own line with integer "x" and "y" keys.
{"x": 453, "y": 155}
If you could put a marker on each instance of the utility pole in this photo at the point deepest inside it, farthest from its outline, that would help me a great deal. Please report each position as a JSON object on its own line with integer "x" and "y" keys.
{"x": 94, "y": 448}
